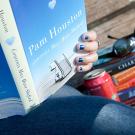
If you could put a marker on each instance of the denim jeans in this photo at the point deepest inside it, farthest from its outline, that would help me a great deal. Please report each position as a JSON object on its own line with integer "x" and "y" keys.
{"x": 68, "y": 112}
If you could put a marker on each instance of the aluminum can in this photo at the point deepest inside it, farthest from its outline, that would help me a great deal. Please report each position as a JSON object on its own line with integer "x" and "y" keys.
{"x": 98, "y": 82}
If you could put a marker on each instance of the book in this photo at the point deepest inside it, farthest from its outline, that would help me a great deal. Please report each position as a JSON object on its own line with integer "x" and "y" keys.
{"x": 102, "y": 60}
{"x": 127, "y": 94}
{"x": 38, "y": 40}
{"x": 118, "y": 64}
{"x": 124, "y": 76}
{"x": 126, "y": 85}
{"x": 10, "y": 102}
{"x": 105, "y": 51}
{"x": 130, "y": 102}
{"x": 106, "y": 55}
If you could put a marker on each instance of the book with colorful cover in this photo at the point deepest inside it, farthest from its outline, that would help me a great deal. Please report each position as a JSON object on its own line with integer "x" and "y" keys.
{"x": 38, "y": 40}
{"x": 130, "y": 102}
{"x": 127, "y": 94}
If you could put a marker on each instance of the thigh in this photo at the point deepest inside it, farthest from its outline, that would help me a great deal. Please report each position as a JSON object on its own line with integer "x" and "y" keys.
{"x": 66, "y": 91}
{"x": 73, "y": 115}
{"x": 114, "y": 119}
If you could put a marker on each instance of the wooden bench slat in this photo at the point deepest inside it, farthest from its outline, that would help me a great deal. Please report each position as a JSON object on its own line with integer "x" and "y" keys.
{"x": 97, "y": 9}
{"x": 118, "y": 27}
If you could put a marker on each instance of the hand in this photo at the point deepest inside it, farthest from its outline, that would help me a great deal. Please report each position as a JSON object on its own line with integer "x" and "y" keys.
{"x": 88, "y": 45}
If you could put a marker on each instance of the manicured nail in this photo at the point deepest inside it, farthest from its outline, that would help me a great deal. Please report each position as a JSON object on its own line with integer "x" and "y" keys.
{"x": 80, "y": 69}
{"x": 80, "y": 60}
{"x": 85, "y": 38}
{"x": 82, "y": 47}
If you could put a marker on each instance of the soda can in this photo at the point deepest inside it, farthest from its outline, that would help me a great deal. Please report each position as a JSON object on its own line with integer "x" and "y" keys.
{"x": 98, "y": 82}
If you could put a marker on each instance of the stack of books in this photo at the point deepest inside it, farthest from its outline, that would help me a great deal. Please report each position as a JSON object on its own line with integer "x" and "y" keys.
{"x": 125, "y": 84}
{"x": 122, "y": 70}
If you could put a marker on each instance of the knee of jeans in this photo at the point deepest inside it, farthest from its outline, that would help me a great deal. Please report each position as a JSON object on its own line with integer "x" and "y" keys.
{"x": 66, "y": 91}
{"x": 114, "y": 118}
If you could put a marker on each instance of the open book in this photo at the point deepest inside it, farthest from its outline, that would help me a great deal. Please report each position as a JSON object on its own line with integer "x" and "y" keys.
{"x": 37, "y": 39}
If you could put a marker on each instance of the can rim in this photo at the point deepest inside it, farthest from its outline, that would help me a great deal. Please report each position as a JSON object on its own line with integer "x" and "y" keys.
{"x": 94, "y": 74}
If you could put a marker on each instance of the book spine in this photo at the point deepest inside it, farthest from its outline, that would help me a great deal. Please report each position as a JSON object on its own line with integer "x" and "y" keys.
{"x": 102, "y": 61}
{"x": 124, "y": 76}
{"x": 127, "y": 94}
{"x": 119, "y": 66}
{"x": 105, "y": 51}
{"x": 130, "y": 102}
{"x": 15, "y": 56}
{"x": 126, "y": 85}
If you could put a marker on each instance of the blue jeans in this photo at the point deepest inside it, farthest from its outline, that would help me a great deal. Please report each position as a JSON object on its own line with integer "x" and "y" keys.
{"x": 69, "y": 112}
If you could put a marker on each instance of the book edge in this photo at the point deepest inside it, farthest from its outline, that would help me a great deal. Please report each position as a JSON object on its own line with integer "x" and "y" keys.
{"x": 16, "y": 58}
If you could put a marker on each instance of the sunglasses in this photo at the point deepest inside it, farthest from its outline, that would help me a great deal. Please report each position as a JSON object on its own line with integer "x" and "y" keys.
{"x": 123, "y": 46}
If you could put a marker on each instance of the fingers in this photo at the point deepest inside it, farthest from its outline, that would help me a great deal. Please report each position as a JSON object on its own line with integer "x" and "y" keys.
{"x": 89, "y": 36}
{"x": 89, "y": 43}
{"x": 84, "y": 60}
{"x": 87, "y": 46}
{"x": 84, "y": 68}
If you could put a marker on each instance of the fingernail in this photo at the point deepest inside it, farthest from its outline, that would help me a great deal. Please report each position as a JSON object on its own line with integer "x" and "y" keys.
{"x": 80, "y": 69}
{"x": 85, "y": 38}
{"x": 80, "y": 60}
{"x": 82, "y": 47}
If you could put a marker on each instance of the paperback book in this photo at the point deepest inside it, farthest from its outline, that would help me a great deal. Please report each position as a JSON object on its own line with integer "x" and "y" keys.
{"x": 117, "y": 65}
{"x": 124, "y": 76}
{"x": 126, "y": 85}
{"x": 127, "y": 94}
{"x": 38, "y": 40}
{"x": 130, "y": 102}
{"x": 10, "y": 102}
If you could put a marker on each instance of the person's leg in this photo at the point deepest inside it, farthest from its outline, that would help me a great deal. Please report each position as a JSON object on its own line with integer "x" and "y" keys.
{"x": 66, "y": 91}
{"x": 73, "y": 115}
